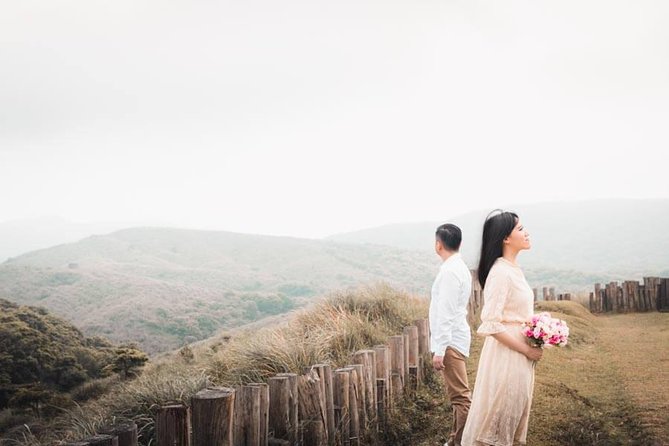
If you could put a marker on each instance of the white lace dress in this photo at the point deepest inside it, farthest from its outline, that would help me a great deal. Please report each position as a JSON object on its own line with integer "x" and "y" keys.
{"x": 505, "y": 378}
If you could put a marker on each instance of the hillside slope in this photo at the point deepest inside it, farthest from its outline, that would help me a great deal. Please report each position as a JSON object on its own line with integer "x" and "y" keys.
{"x": 162, "y": 287}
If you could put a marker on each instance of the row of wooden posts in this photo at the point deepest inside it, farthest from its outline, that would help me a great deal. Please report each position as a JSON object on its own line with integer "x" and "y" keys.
{"x": 628, "y": 296}
{"x": 476, "y": 297}
{"x": 631, "y": 296}
{"x": 321, "y": 407}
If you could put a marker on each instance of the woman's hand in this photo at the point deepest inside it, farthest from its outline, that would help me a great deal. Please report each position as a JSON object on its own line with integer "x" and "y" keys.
{"x": 534, "y": 353}
{"x": 519, "y": 345}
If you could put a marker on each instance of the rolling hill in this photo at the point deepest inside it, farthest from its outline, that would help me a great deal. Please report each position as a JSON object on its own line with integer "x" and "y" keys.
{"x": 621, "y": 238}
{"x": 163, "y": 287}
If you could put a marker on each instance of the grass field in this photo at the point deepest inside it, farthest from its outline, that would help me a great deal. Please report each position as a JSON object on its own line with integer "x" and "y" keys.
{"x": 609, "y": 387}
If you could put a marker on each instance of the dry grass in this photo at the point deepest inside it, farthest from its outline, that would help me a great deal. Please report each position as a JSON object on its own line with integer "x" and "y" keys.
{"x": 637, "y": 344}
{"x": 602, "y": 390}
{"x": 328, "y": 332}
{"x": 608, "y": 387}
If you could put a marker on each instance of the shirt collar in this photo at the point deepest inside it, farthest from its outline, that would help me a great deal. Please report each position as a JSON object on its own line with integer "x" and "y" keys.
{"x": 453, "y": 257}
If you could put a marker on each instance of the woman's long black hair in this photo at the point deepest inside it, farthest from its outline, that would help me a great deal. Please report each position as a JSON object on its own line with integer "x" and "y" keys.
{"x": 498, "y": 226}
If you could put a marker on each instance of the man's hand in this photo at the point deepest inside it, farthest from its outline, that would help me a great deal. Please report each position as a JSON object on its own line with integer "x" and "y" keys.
{"x": 438, "y": 362}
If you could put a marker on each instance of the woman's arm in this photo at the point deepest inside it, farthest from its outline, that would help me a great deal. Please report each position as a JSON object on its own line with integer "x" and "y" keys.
{"x": 521, "y": 347}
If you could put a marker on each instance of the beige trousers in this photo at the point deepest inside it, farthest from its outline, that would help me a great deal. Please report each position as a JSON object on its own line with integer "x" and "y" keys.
{"x": 457, "y": 389}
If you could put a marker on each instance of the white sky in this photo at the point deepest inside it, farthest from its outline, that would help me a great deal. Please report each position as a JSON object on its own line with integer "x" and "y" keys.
{"x": 312, "y": 117}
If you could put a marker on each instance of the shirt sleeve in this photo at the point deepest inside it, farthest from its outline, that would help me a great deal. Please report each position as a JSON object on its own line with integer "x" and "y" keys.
{"x": 446, "y": 306}
{"x": 495, "y": 294}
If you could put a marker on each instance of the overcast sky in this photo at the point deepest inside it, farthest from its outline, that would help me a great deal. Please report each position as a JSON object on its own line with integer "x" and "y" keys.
{"x": 313, "y": 117}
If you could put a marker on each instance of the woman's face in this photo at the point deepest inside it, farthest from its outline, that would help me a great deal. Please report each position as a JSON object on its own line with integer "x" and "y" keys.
{"x": 519, "y": 238}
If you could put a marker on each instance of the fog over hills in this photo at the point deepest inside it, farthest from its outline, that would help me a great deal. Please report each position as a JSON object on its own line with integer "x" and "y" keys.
{"x": 20, "y": 236}
{"x": 627, "y": 237}
{"x": 162, "y": 287}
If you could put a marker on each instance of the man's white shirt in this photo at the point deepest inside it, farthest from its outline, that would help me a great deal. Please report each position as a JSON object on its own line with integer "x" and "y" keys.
{"x": 448, "y": 307}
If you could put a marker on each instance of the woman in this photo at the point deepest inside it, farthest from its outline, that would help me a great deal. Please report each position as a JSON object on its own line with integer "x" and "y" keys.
{"x": 505, "y": 378}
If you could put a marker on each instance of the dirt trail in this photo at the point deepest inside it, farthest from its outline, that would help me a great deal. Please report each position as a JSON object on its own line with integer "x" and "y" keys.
{"x": 638, "y": 346}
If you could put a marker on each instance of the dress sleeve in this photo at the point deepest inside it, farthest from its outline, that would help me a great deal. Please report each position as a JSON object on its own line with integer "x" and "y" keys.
{"x": 495, "y": 294}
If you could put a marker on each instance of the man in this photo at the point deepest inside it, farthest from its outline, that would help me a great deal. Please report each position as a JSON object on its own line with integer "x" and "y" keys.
{"x": 450, "y": 334}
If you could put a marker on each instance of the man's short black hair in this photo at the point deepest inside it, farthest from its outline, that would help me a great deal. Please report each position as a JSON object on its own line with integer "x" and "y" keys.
{"x": 450, "y": 236}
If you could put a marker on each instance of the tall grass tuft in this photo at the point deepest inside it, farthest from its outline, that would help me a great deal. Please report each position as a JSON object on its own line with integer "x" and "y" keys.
{"x": 328, "y": 332}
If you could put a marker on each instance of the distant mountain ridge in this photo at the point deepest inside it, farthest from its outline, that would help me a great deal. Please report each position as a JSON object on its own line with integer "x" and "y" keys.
{"x": 163, "y": 287}
{"x": 597, "y": 236}
{"x": 21, "y": 236}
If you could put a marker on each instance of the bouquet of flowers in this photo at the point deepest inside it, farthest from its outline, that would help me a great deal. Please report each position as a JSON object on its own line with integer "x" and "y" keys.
{"x": 545, "y": 330}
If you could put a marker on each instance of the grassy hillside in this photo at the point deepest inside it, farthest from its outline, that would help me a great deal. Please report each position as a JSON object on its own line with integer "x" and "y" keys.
{"x": 623, "y": 238}
{"x": 584, "y": 393}
{"x": 46, "y": 364}
{"x": 602, "y": 389}
{"x": 164, "y": 287}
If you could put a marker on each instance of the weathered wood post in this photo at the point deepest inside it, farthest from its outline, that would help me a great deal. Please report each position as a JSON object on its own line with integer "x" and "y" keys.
{"x": 396, "y": 344}
{"x": 324, "y": 372}
{"x": 412, "y": 334}
{"x": 126, "y": 433}
{"x": 368, "y": 360}
{"x": 213, "y": 412}
{"x": 102, "y": 440}
{"x": 247, "y": 417}
{"x": 264, "y": 411}
{"x": 627, "y": 301}
{"x": 312, "y": 410}
{"x": 423, "y": 326}
{"x": 383, "y": 371}
{"x": 173, "y": 426}
{"x": 342, "y": 378}
{"x": 354, "y": 395}
{"x": 598, "y": 298}
{"x": 280, "y": 422}
{"x": 405, "y": 367}
{"x": 294, "y": 403}
{"x": 360, "y": 399}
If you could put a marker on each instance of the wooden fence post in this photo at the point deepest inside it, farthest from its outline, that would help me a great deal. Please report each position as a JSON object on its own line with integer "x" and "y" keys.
{"x": 293, "y": 405}
{"x": 413, "y": 348}
{"x": 383, "y": 371}
{"x": 102, "y": 440}
{"x": 126, "y": 433}
{"x": 247, "y": 424}
{"x": 342, "y": 378}
{"x": 173, "y": 426}
{"x": 312, "y": 410}
{"x": 423, "y": 326}
{"x": 360, "y": 398}
{"x": 280, "y": 423}
{"x": 213, "y": 412}
{"x": 397, "y": 365}
{"x": 325, "y": 375}
{"x": 354, "y": 396}
{"x": 368, "y": 360}
{"x": 264, "y": 411}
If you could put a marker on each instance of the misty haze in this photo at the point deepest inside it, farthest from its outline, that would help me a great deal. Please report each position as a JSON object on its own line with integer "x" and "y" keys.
{"x": 202, "y": 195}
